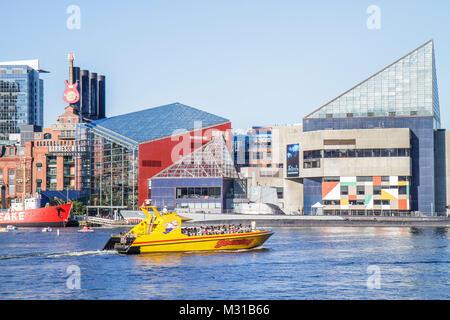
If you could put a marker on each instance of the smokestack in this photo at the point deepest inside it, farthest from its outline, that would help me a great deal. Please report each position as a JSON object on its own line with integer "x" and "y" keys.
{"x": 3, "y": 197}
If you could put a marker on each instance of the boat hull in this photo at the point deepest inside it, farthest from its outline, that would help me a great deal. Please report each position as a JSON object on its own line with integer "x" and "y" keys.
{"x": 40, "y": 217}
{"x": 234, "y": 241}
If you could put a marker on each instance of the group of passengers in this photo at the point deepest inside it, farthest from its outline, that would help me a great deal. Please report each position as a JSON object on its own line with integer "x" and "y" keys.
{"x": 222, "y": 229}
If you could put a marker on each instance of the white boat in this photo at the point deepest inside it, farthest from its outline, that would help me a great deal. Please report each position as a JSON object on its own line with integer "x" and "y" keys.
{"x": 86, "y": 229}
{"x": 48, "y": 229}
{"x": 11, "y": 228}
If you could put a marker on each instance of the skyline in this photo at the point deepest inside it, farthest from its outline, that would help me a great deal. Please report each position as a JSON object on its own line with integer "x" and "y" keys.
{"x": 264, "y": 64}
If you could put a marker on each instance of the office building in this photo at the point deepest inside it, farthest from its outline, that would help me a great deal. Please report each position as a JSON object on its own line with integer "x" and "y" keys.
{"x": 21, "y": 97}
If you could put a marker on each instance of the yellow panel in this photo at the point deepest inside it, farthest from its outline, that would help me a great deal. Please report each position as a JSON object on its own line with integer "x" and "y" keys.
{"x": 344, "y": 202}
{"x": 403, "y": 183}
{"x": 386, "y": 196}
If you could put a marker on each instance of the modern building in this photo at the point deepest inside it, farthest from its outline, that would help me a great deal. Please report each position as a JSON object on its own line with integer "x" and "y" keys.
{"x": 378, "y": 147}
{"x": 253, "y": 148}
{"x": 125, "y": 152}
{"x": 21, "y": 96}
{"x": 204, "y": 180}
{"x": 265, "y": 165}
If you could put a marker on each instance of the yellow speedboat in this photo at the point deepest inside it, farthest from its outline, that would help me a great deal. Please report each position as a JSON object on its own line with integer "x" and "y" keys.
{"x": 163, "y": 233}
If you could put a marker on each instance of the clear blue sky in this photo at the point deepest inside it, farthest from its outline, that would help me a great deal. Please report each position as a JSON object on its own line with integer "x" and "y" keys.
{"x": 255, "y": 62}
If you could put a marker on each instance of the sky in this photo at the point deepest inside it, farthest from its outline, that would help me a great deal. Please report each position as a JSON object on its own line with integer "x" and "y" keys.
{"x": 254, "y": 62}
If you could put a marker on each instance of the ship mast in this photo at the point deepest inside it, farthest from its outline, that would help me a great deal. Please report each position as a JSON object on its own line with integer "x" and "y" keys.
{"x": 23, "y": 183}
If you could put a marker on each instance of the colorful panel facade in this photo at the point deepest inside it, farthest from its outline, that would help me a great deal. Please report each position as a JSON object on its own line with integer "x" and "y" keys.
{"x": 366, "y": 193}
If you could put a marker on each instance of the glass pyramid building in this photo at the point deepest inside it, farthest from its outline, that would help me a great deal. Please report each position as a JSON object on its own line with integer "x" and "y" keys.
{"x": 212, "y": 160}
{"x": 407, "y": 87}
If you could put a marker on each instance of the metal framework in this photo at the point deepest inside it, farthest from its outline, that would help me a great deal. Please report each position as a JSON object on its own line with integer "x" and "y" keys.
{"x": 109, "y": 168}
{"x": 211, "y": 160}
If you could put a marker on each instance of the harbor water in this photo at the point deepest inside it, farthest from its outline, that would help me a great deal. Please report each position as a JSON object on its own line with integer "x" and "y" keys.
{"x": 295, "y": 263}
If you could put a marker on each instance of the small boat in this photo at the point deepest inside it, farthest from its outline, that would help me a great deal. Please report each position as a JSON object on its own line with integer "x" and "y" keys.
{"x": 163, "y": 233}
{"x": 86, "y": 229}
{"x": 11, "y": 228}
{"x": 48, "y": 229}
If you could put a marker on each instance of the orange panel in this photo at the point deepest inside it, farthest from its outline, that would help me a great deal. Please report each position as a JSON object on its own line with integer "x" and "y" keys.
{"x": 352, "y": 197}
{"x": 327, "y": 187}
{"x": 377, "y": 181}
{"x": 402, "y": 204}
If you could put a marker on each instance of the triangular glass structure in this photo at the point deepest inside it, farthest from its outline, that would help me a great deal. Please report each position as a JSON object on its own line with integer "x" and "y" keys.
{"x": 407, "y": 87}
{"x": 212, "y": 160}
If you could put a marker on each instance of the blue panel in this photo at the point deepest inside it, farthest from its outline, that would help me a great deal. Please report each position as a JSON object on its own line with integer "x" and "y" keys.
{"x": 312, "y": 193}
{"x": 163, "y": 190}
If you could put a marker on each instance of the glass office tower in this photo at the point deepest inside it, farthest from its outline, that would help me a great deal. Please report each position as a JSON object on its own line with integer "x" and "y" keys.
{"x": 402, "y": 95}
{"x": 21, "y": 97}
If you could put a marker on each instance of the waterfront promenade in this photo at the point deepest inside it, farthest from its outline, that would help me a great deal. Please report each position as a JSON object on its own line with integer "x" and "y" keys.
{"x": 311, "y": 221}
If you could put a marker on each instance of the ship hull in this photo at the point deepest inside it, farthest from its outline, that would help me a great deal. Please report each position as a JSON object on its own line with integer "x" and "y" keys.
{"x": 236, "y": 241}
{"x": 54, "y": 216}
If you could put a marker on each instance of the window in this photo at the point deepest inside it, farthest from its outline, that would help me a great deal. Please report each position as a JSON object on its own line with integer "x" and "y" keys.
{"x": 331, "y": 202}
{"x": 12, "y": 182}
{"x": 197, "y": 192}
{"x": 377, "y": 190}
{"x": 151, "y": 163}
{"x": 402, "y": 190}
{"x": 311, "y": 164}
{"x": 344, "y": 190}
{"x": 360, "y": 190}
{"x": 385, "y": 179}
{"x": 280, "y": 193}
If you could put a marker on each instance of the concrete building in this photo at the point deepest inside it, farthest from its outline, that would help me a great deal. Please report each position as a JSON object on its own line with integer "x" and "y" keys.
{"x": 271, "y": 168}
{"x": 377, "y": 148}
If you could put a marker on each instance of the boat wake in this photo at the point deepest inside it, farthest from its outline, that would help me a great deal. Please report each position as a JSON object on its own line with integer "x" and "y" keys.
{"x": 50, "y": 255}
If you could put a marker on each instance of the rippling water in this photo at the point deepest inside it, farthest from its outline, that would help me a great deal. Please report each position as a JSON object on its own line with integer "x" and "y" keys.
{"x": 295, "y": 263}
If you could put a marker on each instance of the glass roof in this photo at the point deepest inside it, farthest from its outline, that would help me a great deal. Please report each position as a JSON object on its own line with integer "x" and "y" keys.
{"x": 159, "y": 122}
{"x": 407, "y": 87}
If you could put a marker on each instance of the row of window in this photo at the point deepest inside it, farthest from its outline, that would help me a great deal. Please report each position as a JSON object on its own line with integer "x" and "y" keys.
{"x": 366, "y": 179}
{"x": 355, "y": 202}
{"x": 198, "y": 192}
{"x": 199, "y": 205}
{"x": 360, "y": 190}
{"x": 54, "y": 143}
{"x": 356, "y": 153}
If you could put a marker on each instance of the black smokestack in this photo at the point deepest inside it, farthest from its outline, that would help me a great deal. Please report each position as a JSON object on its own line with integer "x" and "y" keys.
{"x": 3, "y": 197}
